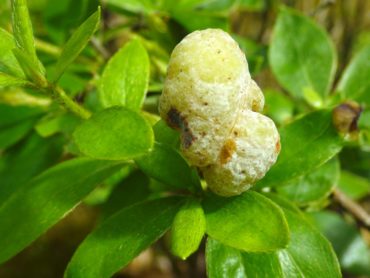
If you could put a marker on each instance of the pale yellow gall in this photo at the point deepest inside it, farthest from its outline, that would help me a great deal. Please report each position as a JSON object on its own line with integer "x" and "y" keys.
{"x": 210, "y": 97}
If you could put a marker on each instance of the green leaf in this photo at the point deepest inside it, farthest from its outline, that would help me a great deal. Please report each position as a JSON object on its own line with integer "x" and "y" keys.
{"x": 23, "y": 33}
{"x": 363, "y": 121}
{"x": 166, "y": 165}
{"x": 223, "y": 261}
{"x": 62, "y": 16}
{"x": 166, "y": 135}
{"x": 278, "y": 106}
{"x": 13, "y": 133}
{"x": 282, "y": 202}
{"x": 21, "y": 163}
{"x": 313, "y": 187}
{"x": 13, "y": 114}
{"x": 15, "y": 122}
{"x": 122, "y": 237}
{"x": 301, "y": 54}
{"x": 353, "y": 253}
{"x": 46, "y": 199}
{"x": 308, "y": 255}
{"x": 8, "y": 80}
{"x": 134, "y": 6}
{"x": 115, "y": 133}
{"x": 306, "y": 144}
{"x": 77, "y": 43}
{"x": 249, "y": 222}
{"x": 100, "y": 194}
{"x": 199, "y": 14}
{"x": 29, "y": 68}
{"x": 252, "y": 5}
{"x": 64, "y": 123}
{"x": 256, "y": 53}
{"x": 130, "y": 191}
{"x": 8, "y": 63}
{"x": 126, "y": 76}
{"x": 188, "y": 229}
{"x": 355, "y": 160}
{"x": 355, "y": 82}
{"x": 354, "y": 186}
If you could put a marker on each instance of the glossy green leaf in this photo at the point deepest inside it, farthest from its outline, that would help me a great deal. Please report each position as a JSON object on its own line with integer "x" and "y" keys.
{"x": 122, "y": 237}
{"x": 46, "y": 199}
{"x": 249, "y": 222}
{"x": 8, "y": 63}
{"x": 188, "y": 229}
{"x": 21, "y": 163}
{"x": 166, "y": 165}
{"x": 223, "y": 261}
{"x": 115, "y": 133}
{"x": 22, "y": 31}
{"x": 354, "y": 186}
{"x": 306, "y": 144}
{"x": 301, "y": 54}
{"x": 126, "y": 76}
{"x": 8, "y": 80}
{"x": 314, "y": 186}
{"x": 352, "y": 251}
{"x": 355, "y": 81}
{"x": 308, "y": 255}
{"x": 77, "y": 43}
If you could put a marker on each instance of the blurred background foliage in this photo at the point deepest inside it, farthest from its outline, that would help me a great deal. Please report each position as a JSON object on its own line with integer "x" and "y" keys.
{"x": 35, "y": 133}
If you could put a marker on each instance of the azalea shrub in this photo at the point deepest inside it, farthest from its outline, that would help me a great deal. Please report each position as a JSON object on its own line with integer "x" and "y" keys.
{"x": 245, "y": 153}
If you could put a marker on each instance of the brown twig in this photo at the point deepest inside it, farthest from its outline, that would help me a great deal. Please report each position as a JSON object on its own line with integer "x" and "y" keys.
{"x": 352, "y": 207}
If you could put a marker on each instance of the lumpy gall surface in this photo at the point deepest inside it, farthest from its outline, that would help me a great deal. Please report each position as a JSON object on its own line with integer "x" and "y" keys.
{"x": 210, "y": 98}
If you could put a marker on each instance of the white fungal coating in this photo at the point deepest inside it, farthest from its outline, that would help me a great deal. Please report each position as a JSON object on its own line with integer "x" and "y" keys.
{"x": 208, "y": 95}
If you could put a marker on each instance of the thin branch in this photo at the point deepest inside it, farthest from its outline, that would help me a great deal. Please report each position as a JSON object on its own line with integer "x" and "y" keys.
{"x": 69, "y": 103}
{"x": 352, "y": 207}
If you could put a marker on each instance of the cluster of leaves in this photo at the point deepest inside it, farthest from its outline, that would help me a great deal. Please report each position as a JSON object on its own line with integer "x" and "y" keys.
{"x": 75, "y": 123}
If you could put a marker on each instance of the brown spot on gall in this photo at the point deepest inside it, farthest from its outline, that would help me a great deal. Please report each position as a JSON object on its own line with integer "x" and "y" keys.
{"x": 174, "y": 118}
{"x": 187, "y": 137}
{"x": 179, "y": 122}
{"x": 227, "y": 151}
{"x": 277, "y": 146}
